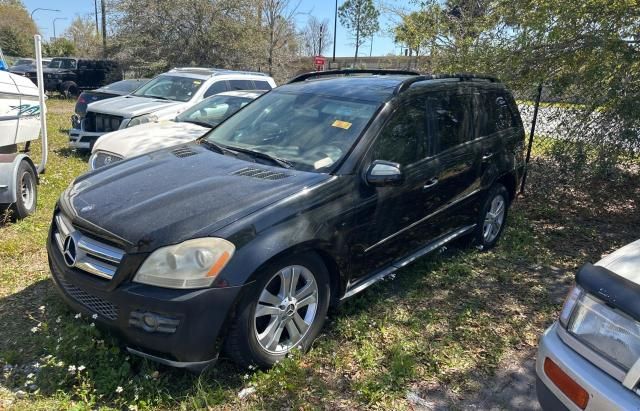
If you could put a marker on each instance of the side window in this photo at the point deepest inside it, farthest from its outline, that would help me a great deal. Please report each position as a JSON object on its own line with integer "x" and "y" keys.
{"x": 262, "y": 85}
{"x": 498, "y": 116}
{"x": 241, "y": 85}
{"x": 402, "y": 140}
{"x": 449, "y": 119}
{"x": 215, "y": 88}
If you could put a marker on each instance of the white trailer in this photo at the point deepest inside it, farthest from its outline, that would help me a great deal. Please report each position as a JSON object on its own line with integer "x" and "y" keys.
{"x": 22, "y": 120}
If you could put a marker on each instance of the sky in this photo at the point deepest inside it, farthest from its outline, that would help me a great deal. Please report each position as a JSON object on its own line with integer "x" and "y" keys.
{"x": 382, "y": 42}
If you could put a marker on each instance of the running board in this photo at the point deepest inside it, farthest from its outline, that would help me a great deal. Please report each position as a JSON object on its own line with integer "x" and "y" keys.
{"x": 407, "y": 260}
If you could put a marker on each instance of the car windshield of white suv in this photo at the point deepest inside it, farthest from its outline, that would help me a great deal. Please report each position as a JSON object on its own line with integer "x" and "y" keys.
{"x": 174, "y": 88}
{"x": 304, "y": 131}
{"x": 212, "y": 111}
{"x": 63, "y": 64}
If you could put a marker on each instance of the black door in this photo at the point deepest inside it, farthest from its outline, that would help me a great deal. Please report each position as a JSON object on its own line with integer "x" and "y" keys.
{"x": 388, "y": 216}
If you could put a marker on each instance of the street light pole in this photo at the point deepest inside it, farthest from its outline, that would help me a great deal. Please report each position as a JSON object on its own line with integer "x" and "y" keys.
{"x": 54, "y": 25}
{"x": 335, "y": 27}
{"x": 40, "y": 8}
{"x": 95, "y": 5}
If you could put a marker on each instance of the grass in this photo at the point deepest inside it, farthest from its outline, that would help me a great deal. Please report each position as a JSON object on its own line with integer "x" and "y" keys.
{"x": 443, "y": 326}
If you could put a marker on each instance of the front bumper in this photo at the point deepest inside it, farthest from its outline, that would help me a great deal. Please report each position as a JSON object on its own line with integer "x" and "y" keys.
{"x": 605, "y": 393}
{"x": 81, "y": 139}
{"x": 200, "y": 314}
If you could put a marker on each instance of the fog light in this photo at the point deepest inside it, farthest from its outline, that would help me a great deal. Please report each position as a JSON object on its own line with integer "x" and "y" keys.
{"x": 153, "y": 322}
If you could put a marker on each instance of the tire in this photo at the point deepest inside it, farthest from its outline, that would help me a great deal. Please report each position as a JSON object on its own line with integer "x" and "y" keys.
{"x": 249, "y": 341}
{"x": 69, "y": 89}
{"x": 26, "y": 192}
{"x": 485, "y": 237}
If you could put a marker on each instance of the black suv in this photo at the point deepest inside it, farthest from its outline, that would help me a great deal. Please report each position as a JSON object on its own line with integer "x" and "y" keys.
{"x": 303, "y": 198}
{"x": 70, "y": 75}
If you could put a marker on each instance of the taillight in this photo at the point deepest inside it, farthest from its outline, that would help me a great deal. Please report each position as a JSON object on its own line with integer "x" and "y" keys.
{"x": 81, "y": 99}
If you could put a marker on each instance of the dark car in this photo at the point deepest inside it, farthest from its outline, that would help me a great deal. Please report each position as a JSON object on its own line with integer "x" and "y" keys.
{"x": 303, "y": 198}
{"x": 69, "y": 75}
{"x": 119, "y": 88}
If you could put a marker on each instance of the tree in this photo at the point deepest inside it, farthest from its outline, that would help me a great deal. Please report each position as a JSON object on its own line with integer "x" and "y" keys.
{"x": 60, "y": 47}
{"x": 16, "y": 29}
{"x": 82, "y": 33}
{"x": 315, "y": 37}
{"x": 278, "y": 20}
{"x": 361, "y": 18}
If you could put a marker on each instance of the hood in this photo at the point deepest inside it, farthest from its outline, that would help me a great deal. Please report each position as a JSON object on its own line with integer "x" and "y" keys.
{"x": 625, "y": 262}
{"x": 132, "y": 106}
{"x": 147, "y": 137}
{"x": 169, "y": 196}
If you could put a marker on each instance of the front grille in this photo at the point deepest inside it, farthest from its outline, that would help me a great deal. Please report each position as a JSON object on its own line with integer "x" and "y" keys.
{"x": 101, "y": 123}
{"x": 85, "y": 253}
{"x": 260, "y": 173}
{"x": 94, "y": 304}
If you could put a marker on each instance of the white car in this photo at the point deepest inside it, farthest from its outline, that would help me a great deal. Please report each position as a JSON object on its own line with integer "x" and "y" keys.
{"x": 589, "y": 359}
{"x": 188, "y": 126}
{"x": 162, "y": 98}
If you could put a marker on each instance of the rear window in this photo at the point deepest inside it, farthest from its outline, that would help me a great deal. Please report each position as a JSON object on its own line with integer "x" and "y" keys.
{"x": 495, "y": 113}
{"x": 262, "y": 85}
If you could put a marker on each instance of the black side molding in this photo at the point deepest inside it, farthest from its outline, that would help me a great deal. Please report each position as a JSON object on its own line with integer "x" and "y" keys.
{"x": 611, "y": 288}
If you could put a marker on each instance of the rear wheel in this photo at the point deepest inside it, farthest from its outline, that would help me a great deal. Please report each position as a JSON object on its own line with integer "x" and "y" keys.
{"x": 69, "y": 89}
{"x": 284, "y": 309}
{"x": 492, "y": 217}
{"x": 26, "y": 192}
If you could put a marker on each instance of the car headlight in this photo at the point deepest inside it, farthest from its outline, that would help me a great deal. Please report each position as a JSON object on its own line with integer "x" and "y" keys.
{"x": 101, "y": 159}
{"x": 147, "y": 118}
{"x": 192, "y": 264}
{"x": 609, "y": 332}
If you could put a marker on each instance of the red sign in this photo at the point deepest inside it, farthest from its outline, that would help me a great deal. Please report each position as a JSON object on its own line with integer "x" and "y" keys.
{"x": 319, "y": 60}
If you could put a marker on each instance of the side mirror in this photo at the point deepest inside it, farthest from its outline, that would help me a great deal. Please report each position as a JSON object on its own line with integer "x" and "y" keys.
{"x": 384, "y": 173}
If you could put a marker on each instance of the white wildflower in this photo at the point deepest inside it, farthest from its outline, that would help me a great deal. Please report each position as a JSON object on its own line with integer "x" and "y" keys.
{"x": 94, "y": 316}
{"x": 77, "y": 316}
{"x": 92, "y": 325}
{"x": 34, "y": 329}
{"x": 30, "y": 376}
{"x": 119, "y": 389}
{"x": 58, "y": 320}
{"x": 41, "y": 308}
{"x": 72, "y": 369}
{"x": 81, "y": 368}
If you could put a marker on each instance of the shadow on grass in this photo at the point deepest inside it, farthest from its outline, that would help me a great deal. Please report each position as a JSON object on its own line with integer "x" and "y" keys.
{"x": 73, "y": 152}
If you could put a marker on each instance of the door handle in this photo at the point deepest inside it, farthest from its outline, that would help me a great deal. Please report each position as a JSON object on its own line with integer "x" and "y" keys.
{"x": 487, "y": 156}
{"x": 430, "y": 184}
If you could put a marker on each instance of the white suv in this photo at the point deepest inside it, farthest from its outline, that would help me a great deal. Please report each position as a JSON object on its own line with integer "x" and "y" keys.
{"x": 162, "y": 98}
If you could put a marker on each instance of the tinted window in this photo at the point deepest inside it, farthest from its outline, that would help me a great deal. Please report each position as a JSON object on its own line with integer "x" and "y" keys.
{"x": 212, "y": 111}
{"x": 262, "y": 85}
{"x": 169, "y": 87}
{"x": 217, "y": 87}
{"x": 494, "y": 113}
{"x": 241, "y": 85}
{"x": 450, "y": 118}
{"x": 402, "y": 139}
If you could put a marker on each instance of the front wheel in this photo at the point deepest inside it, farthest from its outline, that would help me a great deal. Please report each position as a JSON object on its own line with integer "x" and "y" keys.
{"x": 284, "y": 309}
{"x": 492, "y": 217}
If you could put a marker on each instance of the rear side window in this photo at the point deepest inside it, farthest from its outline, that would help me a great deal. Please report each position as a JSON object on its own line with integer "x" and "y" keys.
{"x": 217, "y": 87}
{"x": 262, "y": 85}
{"x": 494, "y": 113}
{"x": 449, "y": 119}
{"x": 241, "y": 85}
{"x": 403, "y": 138}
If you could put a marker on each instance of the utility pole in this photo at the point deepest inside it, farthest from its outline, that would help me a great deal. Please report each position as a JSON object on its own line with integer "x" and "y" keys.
{"x": 95, "y": 4}
{"x": 335, "y": 28}
{"x": 371, "y": 50}
{"x": 320, "y": 42}
{"x": 54, "y": 25}
{"x": 104, "y": 28}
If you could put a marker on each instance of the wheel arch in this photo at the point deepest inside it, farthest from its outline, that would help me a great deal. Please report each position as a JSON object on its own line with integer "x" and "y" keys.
{"x": 509, "y": 181}
{"x": 9, "y": 174}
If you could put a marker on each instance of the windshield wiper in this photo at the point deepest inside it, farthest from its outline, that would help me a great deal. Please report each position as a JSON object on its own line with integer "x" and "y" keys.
{"x": 258, "y": 154}
{"x": 220, "y": 149}
{"x": 158, "y": 97}
{"x": 199, "y": 123}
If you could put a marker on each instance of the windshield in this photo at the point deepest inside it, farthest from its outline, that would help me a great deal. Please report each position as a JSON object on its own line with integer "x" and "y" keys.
{"x": 63, "y": 64}
{"x": 24, "y": 62}
{"x": 175, "y": 88}
{"x": 312, "y": 132}
{"x": 213, "y": 110}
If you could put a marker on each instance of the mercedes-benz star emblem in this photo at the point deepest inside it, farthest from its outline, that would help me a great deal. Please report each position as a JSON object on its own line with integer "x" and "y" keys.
{"x": 69, "y": 251}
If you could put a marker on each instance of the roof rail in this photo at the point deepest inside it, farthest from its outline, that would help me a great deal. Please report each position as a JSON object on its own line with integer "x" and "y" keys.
{"x": 452, "y": 76}
{"x": 214, "y": 71}
{"x": 346, "y": 72}
{"x": 255, "y": 73}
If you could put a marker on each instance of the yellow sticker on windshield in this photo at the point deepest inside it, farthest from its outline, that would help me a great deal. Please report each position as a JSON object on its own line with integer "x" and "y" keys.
{"x": 197, "y": 82}
{"x": 341, "y": 124}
